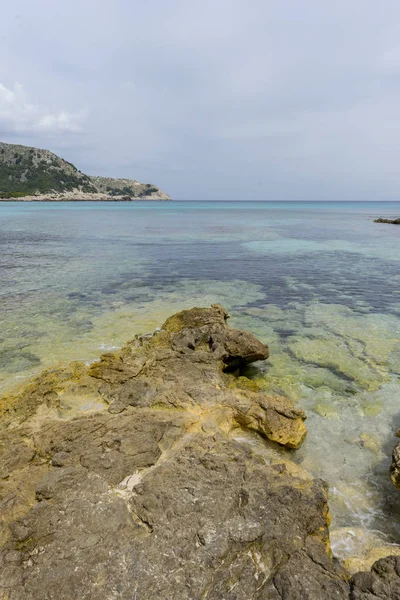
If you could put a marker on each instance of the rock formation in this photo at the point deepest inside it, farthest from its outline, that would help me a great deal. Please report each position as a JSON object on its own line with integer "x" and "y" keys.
{"x": 153, "y": 474}
{"x": 390, "y": 221}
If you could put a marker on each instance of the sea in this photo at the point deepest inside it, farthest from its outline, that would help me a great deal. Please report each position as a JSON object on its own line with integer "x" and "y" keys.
{"x": 319, "y": 282}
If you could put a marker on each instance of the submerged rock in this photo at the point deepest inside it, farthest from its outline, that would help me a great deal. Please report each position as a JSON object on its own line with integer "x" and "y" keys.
{"x": 130, "y": 479}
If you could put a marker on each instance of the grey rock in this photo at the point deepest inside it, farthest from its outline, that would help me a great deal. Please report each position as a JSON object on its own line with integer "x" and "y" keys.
{"x": 382, "y": 582}
{"x": 157, "y": 493}
{"x": 395, "y": 466}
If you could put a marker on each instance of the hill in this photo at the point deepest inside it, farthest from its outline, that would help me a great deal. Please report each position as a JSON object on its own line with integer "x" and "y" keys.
{"x": 28, "y": 173}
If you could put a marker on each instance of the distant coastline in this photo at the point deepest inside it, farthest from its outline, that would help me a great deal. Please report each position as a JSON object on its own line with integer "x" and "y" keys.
{"x": 99, "y": 198}
{"x": 29, "y": 174}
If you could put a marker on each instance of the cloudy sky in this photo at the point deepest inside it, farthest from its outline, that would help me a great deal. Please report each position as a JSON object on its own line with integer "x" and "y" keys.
{"x": 211, "y": 99}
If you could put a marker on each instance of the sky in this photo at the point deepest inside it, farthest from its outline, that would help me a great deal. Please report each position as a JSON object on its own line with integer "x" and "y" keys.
{"x": 211, "y": 99}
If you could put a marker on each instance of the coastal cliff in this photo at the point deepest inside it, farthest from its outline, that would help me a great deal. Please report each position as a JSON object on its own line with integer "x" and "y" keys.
{"x": 160, "y": 472}
{"x": 30, "y": 174}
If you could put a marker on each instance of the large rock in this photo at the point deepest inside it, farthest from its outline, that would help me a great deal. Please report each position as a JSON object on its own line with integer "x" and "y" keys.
{"x": 152, "y": 475}
{"x": 382, "y": 582}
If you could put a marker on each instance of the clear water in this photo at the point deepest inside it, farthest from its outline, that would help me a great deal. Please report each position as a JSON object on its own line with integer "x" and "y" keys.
{"x": 320, "y": 282}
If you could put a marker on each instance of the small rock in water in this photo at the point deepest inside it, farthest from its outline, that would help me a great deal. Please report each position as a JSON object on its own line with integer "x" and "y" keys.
{"x": 390, "y": 221}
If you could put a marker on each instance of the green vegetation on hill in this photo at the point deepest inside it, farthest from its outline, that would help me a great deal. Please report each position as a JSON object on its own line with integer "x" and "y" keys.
{"x": 25, "y": 171}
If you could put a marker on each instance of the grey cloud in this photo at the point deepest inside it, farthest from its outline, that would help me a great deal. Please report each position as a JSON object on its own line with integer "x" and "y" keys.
{"x": 225, "y": 99}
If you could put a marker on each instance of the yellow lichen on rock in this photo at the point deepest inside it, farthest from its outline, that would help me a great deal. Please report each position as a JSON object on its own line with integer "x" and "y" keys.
{"x": 153, "y": 461}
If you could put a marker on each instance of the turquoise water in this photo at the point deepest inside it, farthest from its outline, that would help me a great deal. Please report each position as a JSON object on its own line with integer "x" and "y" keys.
{"x": 320, "y": 282}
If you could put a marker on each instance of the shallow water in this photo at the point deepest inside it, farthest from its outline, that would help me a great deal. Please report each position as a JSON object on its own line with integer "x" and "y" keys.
{"x": 318, "y": 281}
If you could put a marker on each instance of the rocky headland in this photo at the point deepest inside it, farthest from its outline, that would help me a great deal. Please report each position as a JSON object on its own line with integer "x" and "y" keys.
{"x": 30, "y": 174}
{"x": 390, "y": 221}
{"x": 153, "y": 474}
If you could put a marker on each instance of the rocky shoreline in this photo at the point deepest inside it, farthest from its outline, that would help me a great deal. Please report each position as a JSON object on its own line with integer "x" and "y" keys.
{"x": 153, "y": 473}
{"x": 78, "y": 196}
